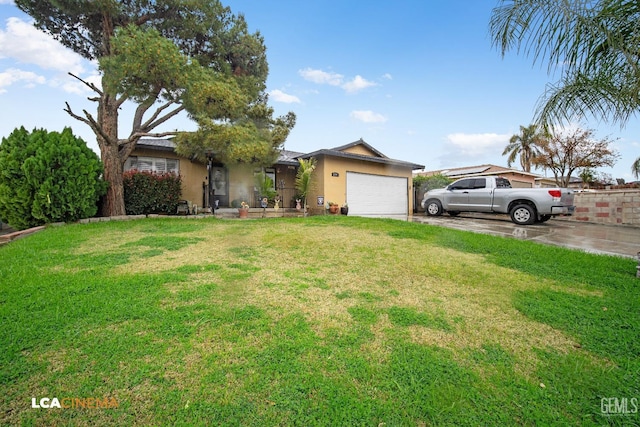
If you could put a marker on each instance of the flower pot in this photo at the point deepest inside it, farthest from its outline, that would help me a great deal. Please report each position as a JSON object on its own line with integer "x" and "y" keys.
{"x": 334, "y": 209}
{"x": 244, "y": 213}
{"x": 344, "y": 210}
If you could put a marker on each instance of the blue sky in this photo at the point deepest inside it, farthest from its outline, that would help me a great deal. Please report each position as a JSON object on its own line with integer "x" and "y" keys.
{"x": 416, "y": 79}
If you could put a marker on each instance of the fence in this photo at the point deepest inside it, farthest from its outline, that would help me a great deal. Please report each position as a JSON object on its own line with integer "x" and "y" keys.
{"x": 613, "y": 207}
{"x": 287, "y": 198}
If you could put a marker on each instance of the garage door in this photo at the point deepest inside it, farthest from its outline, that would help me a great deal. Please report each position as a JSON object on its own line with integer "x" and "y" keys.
{"x": 376, "y": 195}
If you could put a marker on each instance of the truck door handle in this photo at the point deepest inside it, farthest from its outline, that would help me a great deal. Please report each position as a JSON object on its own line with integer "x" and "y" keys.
{"x": 465, "y": 192}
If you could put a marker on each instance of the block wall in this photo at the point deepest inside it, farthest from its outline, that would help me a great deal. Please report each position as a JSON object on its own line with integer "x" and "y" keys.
{"x": 608, "y": 207}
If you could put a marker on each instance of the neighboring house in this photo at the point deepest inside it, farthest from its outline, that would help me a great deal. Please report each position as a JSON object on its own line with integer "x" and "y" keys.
{"x": 547, "y": 182}
{"x": 355, "y": 174}
{"x": 518, "y": 179}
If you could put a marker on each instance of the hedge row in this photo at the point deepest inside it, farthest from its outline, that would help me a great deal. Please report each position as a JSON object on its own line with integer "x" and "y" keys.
{"x": 151, "y": 193}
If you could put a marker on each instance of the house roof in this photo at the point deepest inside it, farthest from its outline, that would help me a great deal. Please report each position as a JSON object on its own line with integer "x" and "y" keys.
{"x": 360, "y": 142}
{"x": 487, "y": 169}
{"x": 157, "y": 144}
{"x": 377, "y": 156}
{"x": 285, "y": 157}
{"x": 289, "y": 157}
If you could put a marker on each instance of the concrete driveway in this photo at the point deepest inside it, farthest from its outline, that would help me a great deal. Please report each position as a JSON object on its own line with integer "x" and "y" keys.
{"x": 596, "y": 238}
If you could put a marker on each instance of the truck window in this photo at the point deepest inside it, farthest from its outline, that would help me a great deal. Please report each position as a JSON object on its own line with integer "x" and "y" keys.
{"x": 479, "y": 183}
{"x": 463, "y": 184}
{"x": 502, "y": 183}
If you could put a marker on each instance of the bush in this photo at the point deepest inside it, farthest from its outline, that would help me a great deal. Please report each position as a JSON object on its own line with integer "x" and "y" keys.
{"x": 48, "y": 177}
{"x": 147, "y": 192}
{"x": 432, "y": 182}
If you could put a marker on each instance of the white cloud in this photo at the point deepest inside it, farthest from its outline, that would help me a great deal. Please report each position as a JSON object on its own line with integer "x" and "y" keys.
{"x": 321, "y": 77}
{"x": 280, "y": 96}
{"x": 368, "y": 116}
{"x": 13, "y": 75}
{"x": 387, "y": 76}
{"x": 357, "y": 84}
{"x": 22, "y": 41}
{"x": 477, "y": 144}
{"x": 334, "y": 79}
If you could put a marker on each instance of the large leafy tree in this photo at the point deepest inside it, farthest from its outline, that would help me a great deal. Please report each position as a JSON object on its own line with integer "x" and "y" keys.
{"x": 524, "y": 145}
{"x": 595, "y": 44}
{"x": 166, "y": 57}
{"x": 563, "y": 153}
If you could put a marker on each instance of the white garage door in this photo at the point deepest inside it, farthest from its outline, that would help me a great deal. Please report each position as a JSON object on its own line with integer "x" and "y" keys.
{"x": 376, "y": 195}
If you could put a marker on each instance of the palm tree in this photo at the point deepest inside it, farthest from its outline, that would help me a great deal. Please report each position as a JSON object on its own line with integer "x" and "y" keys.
{"x": 525, "y": 144}
{"x": 635, "y": 168}
{"x": 303, "y": 179}
{"x": 594, "y": 44}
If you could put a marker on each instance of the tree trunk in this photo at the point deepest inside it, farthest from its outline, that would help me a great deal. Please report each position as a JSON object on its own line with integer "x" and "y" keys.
{"x": 113, "y": 202}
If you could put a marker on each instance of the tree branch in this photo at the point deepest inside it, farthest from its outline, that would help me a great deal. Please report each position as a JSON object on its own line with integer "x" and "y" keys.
{"x": 75, "y": 116}
{"x": 88, "y": 120}
{"x": 90, "y": 85}
{"x": 166, "y": 117}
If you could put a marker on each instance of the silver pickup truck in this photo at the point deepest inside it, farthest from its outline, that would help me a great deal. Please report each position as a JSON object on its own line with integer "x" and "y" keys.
{"x": 494, "y": 195}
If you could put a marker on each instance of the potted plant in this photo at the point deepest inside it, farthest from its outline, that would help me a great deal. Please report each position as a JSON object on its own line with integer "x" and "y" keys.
{"x": 344, "y": 209}
{"x": 243, "y": 210}
{"x": 333, "y": 207}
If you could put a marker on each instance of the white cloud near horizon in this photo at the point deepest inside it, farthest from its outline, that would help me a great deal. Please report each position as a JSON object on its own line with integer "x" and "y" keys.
{"x": 368, "y": 116}
{"x": 470, "y": 149}
{"x": 354, "y": 85}
{"x": 279, "y": 96}
{"x": 477, "y": 144}
{"x": 22, "y": 41}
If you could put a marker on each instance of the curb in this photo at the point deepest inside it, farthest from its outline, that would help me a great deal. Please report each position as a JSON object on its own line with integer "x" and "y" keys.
{"x": 6, "y": 238}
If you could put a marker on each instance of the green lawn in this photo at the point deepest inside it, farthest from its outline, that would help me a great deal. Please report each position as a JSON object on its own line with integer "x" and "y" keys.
{"x": 317, "y": 321}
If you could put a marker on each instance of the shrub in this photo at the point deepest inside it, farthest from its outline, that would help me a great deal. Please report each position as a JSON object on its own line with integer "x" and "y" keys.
{"x": 48, "y": 177}
{"x": 426, "y": 183}
{"x": 148, "y": 192}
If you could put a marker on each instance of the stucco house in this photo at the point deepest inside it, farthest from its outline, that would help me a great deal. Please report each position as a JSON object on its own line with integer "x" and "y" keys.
{"x": 356, "y": 174}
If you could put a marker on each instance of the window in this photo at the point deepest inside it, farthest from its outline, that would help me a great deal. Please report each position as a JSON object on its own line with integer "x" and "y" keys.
{"x": 479, "y": 183}
{"x": 503, "y": 183}
{"x": 152, "y": 164}
{"x": 463, "y": 184}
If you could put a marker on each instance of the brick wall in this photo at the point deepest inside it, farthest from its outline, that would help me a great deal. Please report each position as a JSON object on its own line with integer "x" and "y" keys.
{"x": 608, "y": 207}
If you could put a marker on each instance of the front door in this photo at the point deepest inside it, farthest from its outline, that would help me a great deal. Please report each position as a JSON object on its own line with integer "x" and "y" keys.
{"x": 218, "y": 186}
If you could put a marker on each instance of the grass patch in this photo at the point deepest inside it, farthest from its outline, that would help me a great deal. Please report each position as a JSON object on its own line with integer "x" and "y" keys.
{"x": 276, "y": 322}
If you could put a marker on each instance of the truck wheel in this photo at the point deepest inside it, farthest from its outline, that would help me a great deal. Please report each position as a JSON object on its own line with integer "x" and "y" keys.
{"x": 434, "y": 207}
{"x": 523, "y": 214}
